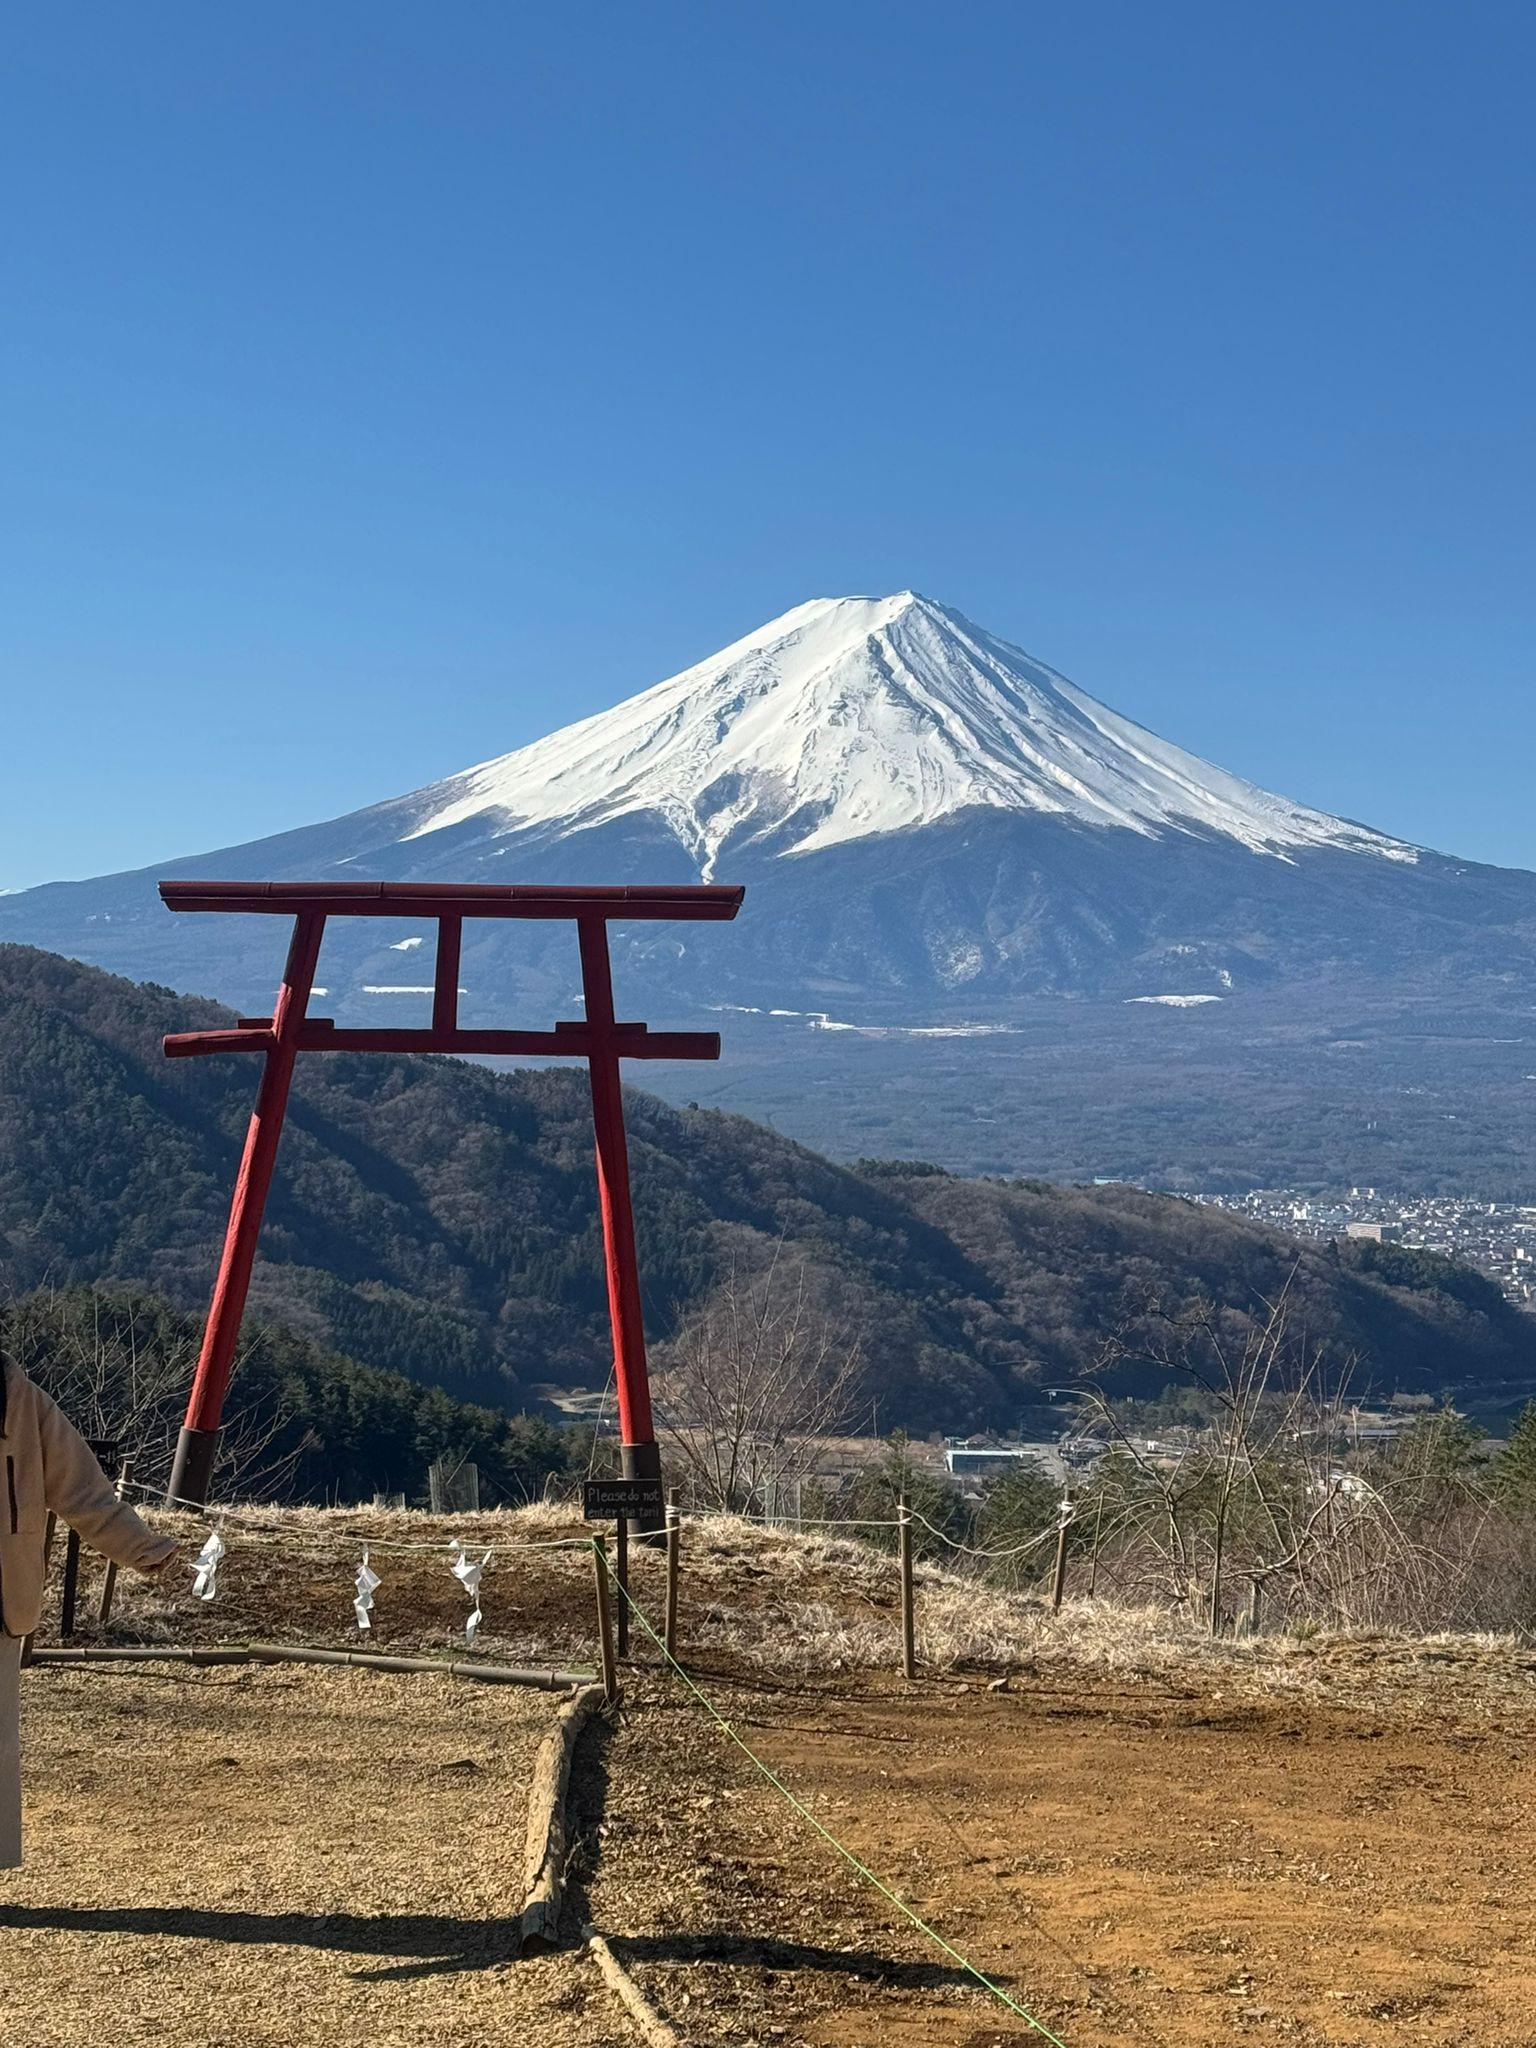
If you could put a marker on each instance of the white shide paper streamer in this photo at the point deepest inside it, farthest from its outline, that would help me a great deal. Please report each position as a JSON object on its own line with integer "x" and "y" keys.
{"x": 206, "y": 1567}
{"x": 468, "y": 1574}
{"x": 367, "y": 1581}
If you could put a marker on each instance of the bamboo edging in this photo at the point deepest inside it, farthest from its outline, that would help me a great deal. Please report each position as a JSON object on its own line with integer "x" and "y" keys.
{"x": 653, "y": 2028}
{"x": 301, "y": 1653}
{"x": 548, "y": 1827}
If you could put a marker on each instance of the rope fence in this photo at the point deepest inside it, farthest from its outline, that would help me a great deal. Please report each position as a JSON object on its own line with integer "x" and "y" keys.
{"x": 832, "y": 1525}
{"x": 992, "y": 1556}
{"x": 358, "y": 1554}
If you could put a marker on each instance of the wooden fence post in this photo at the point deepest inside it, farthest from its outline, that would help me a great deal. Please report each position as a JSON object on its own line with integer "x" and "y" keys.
{"x": 604, "y": 1620}
{"x": 71, "y": 1586}
{"x": 904, "y": 1554}
{"x": 623, "y": 1579}
{"x": 109, "y": 1583}
{"x": 674, "y": 1548}
{"x": 1255, "y": 1604}
{"x": 1059, "y": 1582}
{"x": 106, "y": 1451}
{"x": 1217, "y": 1618}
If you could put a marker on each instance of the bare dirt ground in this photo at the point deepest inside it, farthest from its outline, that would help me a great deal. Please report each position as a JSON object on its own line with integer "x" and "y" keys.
{"x": 1146, "y": 1839}
{"x": 285, "y": 1857}
{"x": 1137, "y": 1863}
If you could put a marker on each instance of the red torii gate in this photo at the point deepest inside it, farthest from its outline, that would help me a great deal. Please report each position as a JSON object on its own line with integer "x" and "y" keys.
{"x": 598, "y": 1038}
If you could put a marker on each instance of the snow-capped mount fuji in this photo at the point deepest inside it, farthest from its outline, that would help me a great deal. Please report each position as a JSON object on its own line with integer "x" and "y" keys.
{"x": 932, "y": 826}
{"x": 856, "y": 716}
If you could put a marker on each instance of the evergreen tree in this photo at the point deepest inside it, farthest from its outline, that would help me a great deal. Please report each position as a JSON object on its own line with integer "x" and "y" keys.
{"x": 1021, "y": 1508}
{"x": 1515, "y": 1473}
{"x": 937, "y": 1504}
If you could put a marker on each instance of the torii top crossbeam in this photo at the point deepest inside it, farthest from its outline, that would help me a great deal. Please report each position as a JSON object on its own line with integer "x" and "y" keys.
{"x": 597, "y": 1037}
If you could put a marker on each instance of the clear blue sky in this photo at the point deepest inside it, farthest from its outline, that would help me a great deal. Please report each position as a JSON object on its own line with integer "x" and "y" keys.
{"x": 387, "y": 384}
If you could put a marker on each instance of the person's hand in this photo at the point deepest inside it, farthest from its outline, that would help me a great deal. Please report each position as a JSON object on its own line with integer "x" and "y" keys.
{"x": 161, "y": 1565}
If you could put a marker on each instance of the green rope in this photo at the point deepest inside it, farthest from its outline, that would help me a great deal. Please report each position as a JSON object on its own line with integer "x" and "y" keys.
{"x": 863, "y": 1869}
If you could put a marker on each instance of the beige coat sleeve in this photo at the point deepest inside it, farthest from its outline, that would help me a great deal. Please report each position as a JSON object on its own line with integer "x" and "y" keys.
{"x": 76, "y": 1489}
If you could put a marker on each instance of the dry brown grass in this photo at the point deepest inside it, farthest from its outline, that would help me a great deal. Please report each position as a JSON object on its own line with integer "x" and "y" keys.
{"x": 764, "y": 1598}
{"x": 801, "y": 1603}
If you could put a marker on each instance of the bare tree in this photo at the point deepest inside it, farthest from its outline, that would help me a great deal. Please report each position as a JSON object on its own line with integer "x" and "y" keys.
{"x": 116, "y": 1376}
{"x": 751, "y": 1382}
{"x": 1262, "y": 1492}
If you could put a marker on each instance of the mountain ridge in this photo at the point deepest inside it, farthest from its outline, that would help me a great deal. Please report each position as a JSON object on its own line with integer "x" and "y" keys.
{"x": 433, "y": 1217}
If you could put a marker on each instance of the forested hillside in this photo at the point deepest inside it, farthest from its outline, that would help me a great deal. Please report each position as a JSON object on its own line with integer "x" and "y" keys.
{"x": 303, "y": 1423}
{"x": 439, "y": 1219}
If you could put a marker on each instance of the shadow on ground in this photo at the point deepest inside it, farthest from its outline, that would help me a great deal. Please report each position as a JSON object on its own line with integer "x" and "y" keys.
{"x": 422, "y": 1944}
{"x": 749, "y": 1951}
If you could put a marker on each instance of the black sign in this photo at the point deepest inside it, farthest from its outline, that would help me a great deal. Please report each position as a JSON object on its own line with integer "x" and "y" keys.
{"x": 108, "y": 1453}
{"x": 603, "y": 1500}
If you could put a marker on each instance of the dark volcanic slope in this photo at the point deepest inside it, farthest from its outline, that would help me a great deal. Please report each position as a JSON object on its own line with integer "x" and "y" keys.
{"x": 981, "y": 908}
{"x": 1369, "y": 1021}
{"x": 440, "y": 1219}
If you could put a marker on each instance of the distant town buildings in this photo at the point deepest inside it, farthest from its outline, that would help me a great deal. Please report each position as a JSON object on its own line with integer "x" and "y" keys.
{"x": 1497, "y": 1238}
{"x": 985, "y": 1458}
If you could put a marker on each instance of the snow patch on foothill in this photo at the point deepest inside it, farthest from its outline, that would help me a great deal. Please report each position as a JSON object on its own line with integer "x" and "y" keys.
{"x": 1175, "y": 1002}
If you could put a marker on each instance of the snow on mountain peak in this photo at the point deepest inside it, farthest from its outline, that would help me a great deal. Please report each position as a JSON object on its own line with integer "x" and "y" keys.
{"x": 851, "y": 716}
